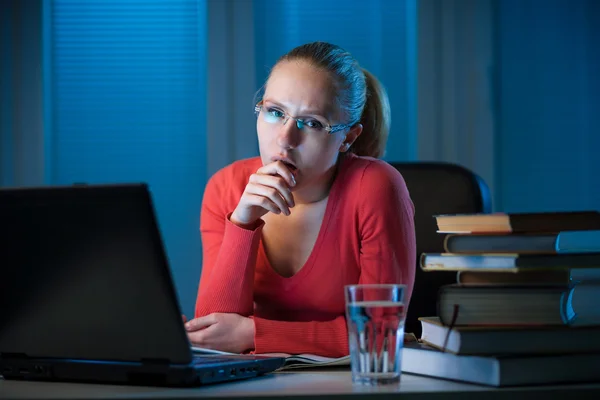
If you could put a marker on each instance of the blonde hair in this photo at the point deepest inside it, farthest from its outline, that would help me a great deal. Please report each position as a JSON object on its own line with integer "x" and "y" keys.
{"x": 359, "y": 94}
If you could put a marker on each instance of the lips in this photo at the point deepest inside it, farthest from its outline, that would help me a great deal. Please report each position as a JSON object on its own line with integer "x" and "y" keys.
{"x": 291, "y": 167}
{"x": 288, "y": 163}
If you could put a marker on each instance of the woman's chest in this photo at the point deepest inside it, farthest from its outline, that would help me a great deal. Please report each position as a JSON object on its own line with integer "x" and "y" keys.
{"x": 289, "y": 241}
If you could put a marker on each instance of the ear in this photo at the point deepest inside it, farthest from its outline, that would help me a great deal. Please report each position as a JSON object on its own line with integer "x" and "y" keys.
{"x": 351, "y": 136}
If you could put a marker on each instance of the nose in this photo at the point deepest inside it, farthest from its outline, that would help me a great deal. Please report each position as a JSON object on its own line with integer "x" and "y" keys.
{"x": 288, "y": 136}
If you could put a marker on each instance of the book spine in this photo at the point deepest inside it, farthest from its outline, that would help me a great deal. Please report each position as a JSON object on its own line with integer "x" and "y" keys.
{"x": 580, "y": 305}
{"x": 445, "y": 244}
{"x": 578, "y": 242}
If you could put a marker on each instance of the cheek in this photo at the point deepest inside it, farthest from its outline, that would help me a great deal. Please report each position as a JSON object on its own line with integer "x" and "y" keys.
{"x": 322, "y": 155}
{"x": 263, "y": 133}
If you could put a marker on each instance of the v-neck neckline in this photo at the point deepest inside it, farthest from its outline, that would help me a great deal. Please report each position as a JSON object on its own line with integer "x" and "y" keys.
{"x": 332, "y": 201}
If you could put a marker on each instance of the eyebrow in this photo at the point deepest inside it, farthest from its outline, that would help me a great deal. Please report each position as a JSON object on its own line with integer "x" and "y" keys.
{"x": 313, "y": 112}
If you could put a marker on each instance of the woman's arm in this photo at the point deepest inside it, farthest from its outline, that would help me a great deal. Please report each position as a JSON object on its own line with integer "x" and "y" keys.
{"x": 228, "y": 253}
{"x": 388, "y": 242}
{"x": 325, "y": 338}
{"x": 230, "y": 223}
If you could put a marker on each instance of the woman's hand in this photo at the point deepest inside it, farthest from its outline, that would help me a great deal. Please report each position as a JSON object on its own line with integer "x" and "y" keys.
{"x": 219, "y": 331}
{"x": 269, "y": 189}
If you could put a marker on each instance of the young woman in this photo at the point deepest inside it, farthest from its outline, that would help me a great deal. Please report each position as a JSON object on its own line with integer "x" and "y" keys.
{"x": 284, "y": 232}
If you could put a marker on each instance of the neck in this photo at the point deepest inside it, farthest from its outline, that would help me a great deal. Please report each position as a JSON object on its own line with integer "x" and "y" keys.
{"x": 317, "y": 190}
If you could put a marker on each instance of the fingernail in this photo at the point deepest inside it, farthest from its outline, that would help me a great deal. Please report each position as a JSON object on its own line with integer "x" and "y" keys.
{"x": 293, "y": 180}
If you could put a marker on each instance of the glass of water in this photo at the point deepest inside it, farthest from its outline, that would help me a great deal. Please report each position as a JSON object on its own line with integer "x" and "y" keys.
{"x": 375, "y": 315}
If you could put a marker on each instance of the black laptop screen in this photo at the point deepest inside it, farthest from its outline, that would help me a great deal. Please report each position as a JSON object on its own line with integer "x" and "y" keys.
{"x": 84, "y": 275}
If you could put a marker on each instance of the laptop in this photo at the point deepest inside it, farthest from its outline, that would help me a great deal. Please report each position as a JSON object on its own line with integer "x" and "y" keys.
{"x": 86, "y": 293}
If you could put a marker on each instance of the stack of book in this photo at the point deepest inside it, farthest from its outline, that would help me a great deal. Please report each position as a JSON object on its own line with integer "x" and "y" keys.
{"x": 526, "y": 305}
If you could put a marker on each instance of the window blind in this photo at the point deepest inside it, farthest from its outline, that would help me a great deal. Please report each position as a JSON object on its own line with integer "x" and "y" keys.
{"x": 127, "y": 104}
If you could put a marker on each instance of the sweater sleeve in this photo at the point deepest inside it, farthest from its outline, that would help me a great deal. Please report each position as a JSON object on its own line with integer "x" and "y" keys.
{"x": 388, "y": 248}
{"x": 228, "y": 254}
{"x": 325, "y": 338}
{"x": 387, "y": 255}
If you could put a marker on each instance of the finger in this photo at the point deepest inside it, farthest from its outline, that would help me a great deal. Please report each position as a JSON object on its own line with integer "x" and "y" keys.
{"x": 270, "y": 193}
{"x": 261, "y": 201}
{"x": 278, "y": 168}
{"x": 278, "y": 183}
{"x": 198, "y": 338}
{"x": 200, "y": 323}
{"x": 184, "y": 318}
{"x": 204, "y": 338}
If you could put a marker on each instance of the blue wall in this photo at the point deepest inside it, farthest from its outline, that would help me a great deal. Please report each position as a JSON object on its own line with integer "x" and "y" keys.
{"x": 548, "y": 136}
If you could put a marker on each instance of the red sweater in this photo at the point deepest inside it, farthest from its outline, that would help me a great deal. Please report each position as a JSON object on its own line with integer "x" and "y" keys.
{"x": 367, "y": 236}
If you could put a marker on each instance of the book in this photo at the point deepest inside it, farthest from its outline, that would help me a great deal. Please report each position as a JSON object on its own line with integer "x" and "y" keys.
{"x": 574, "y": 305}
{"x": 492, "y": 341}
{"x": 501, "y": 371}
{"x": 556, "y": 243}
{"x": 529, "y": 277}
{"x": 546, "y": 222}
{"x": 292, "y": 361}
{"x": 507, "y": 262}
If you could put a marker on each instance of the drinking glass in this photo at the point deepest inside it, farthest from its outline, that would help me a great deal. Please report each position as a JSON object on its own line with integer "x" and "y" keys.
{"x": 375, "y": 314}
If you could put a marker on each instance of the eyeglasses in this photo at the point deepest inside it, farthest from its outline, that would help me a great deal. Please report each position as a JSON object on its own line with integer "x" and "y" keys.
{"x": 274, "y": 115}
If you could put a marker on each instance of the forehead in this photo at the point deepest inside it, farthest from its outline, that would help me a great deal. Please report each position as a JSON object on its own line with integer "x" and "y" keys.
{"x": 300, "y": 86}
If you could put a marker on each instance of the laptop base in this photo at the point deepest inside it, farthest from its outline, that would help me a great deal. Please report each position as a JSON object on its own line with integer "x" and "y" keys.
{"x": 205, "y": 370}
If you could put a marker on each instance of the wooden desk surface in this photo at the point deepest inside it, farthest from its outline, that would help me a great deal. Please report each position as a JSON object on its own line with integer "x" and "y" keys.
{"x": 298, "y": 385}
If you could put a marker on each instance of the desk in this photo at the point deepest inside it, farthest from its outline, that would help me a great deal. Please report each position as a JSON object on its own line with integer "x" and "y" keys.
{"x": 323, "y": 383}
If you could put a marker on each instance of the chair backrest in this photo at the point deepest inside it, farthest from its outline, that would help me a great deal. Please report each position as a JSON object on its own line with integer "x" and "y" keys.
{"x": 437, "y": 188}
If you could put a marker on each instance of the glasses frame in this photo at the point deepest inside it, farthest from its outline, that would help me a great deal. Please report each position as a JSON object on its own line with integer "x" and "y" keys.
{"x": 331, "y": 129}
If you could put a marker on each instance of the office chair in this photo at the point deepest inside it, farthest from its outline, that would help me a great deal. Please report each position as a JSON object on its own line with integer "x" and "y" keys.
{"x": 437, "y": 188}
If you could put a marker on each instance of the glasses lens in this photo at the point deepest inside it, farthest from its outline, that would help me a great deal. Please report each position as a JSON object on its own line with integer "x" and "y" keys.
{"x": 273, "y": 115}
{"x": 270, "y": 117}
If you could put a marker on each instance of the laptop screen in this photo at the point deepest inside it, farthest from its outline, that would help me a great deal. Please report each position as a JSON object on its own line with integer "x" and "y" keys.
{"x": 84, "y": 275}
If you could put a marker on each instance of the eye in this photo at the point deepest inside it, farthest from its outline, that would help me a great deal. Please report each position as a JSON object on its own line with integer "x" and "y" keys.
{"x": 314, "y": 124}
{"x": 274, "y": 112}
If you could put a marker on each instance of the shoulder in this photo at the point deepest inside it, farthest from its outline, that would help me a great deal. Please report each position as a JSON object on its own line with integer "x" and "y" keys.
{"x": 372, "y": 172}
{"x": 376, "y": 181}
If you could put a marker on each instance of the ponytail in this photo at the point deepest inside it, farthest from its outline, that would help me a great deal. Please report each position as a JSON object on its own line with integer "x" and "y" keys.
{"x": 375, "y": 120}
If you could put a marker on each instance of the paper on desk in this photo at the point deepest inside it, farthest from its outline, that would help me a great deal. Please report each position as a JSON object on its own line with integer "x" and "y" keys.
{"x": 292, "y": 361}
{"x": 202, "y": 350}
{"x": 295, "y": 361}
